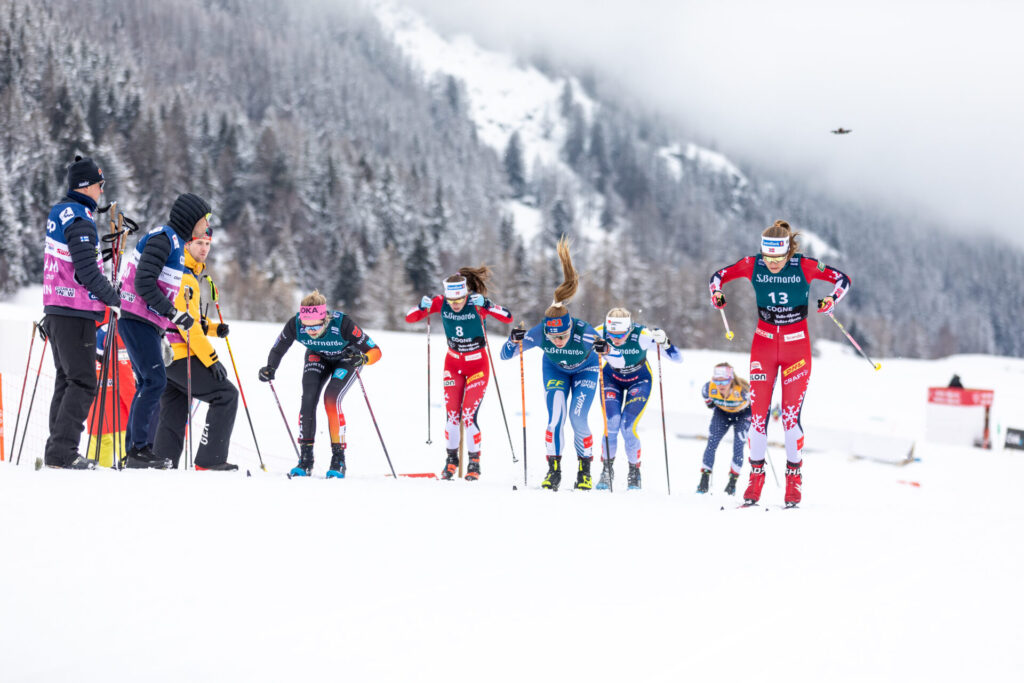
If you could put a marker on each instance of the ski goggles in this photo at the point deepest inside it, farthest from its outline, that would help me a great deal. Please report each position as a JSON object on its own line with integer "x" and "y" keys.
{"x": 722, "y": 376}
{"x": 774, "y": 259}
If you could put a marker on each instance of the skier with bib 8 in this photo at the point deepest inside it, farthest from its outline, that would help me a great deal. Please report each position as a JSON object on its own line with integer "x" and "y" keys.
{"x": 571, "y": 348}
{"x": 627, "y": 389}
{"x": 335, "y": 350}
{"x": 463, "y": 309}
{"x": 781, "y": 278}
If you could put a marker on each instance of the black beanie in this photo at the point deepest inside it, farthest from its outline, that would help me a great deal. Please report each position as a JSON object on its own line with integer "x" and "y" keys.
{"x": 187, "y": 210}
{"x": 83, "y": 173}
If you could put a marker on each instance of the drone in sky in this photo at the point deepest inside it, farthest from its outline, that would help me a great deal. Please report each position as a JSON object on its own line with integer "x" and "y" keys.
{"x": 842, "y": 131}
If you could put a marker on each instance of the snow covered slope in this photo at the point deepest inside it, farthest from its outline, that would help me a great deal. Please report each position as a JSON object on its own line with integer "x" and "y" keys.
{"x": 885, "y": 573}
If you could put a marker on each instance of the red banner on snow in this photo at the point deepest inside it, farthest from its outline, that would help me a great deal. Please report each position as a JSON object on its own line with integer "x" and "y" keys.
{"x": 948, "y": 396}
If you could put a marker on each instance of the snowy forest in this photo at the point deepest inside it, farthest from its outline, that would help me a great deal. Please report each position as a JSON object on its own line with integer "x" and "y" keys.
{"x": 331, "y": 161}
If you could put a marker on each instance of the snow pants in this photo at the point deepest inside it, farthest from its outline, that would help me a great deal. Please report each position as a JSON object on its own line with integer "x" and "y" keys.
{"x": 73, "y": 344}
{"x": 338, "y": 377}
{"x": 465, "y": 381}
{"x": 721, "y": 421}
{"x": 782, "y": 351}
{"x": 215, "y": 436}
{"x": 572, "y": 392}
{"x": 625, "y": 399}
{"x": 142, "y": 341}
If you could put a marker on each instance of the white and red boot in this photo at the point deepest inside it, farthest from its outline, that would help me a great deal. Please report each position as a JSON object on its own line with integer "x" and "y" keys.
{"x": 753, "y": 492}
{"x": 794, "y": 481}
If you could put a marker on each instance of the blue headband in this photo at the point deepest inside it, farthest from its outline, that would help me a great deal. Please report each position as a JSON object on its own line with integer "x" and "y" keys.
{"x": 558, "y": 325}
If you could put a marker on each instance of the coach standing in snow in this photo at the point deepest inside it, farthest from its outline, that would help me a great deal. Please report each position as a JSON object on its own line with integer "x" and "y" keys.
{"x": 75, "y": 292}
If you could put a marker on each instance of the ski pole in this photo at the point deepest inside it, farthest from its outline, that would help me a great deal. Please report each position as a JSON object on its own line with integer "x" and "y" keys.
{"x": 497, "y": 387}
{"x": 188, "y": 373}
{"x": 278, "y": 402}
{"x": 728, "y": 333}
{"x": 100, "y": 401}
{"x": 428, "y": 382}
{"x": 24, "y": 383}
{"x": 238, "y": 379}
{"x": 375, "y": 426}
{"x": 876, "y": 366}
{"x": 768, "y": 457}
{"x": 32, "y": 399}
{"x": 664, "y": 431}
{"x": 522, "y": 389}
{"x": 604, "y": 416}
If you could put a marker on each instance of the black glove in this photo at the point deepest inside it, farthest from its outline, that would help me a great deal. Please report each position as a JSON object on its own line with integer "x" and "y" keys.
{"x": 222, "y": 330}
{"x": 267, "y": 373}
{"x": 220, "y": 373}
{"x": 41, "y": 329}
{"x": 183, "y": 320}
{"x": 205, "y": 324}
{"x": 355, "y": 357}
{"x": 600, "y": 346}
{"x": 518, "y": 334}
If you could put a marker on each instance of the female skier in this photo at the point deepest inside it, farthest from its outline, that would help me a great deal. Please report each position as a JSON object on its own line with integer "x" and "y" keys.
{"x": 335, "y": 349}
{"x": 627, "y": 389}
{"x": 781, "y": 279}
{"x": 571, "y": 348}
{"x": 466, "y": 369}
{"x": 729, "y": 397}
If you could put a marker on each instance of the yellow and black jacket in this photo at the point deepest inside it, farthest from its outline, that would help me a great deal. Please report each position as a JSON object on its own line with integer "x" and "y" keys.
{"x": 198, "y": 340}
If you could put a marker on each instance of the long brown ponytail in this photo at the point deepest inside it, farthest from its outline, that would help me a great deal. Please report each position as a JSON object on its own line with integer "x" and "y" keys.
{"x": 476, "y": 278}
{"x": 570, "y": 282}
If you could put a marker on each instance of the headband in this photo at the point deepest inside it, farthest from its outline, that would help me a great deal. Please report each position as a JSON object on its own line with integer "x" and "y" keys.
{"x": 558, "y": 325}
{"x": 456, "y": 290}
{"x": 313, "y": 315}
{"x": 618, "y": 327}
{"x": 774, "y": 246}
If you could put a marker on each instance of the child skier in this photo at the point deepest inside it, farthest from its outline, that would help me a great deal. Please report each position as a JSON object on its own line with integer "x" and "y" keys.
{"x": 729, "y": 397}
{"x": 335, "y": 350}
{"x": 466, "y": 368}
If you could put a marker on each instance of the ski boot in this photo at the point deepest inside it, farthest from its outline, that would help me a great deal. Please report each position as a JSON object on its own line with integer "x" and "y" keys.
{"x": 730, "y": 488}
{"x": 337, "y": 468}
{"x": 753, "y": 492}
{"x": 473, "y": 468}
{"x": 145, "y": 458}
{"x": 607, "y": 475}
{"x": 633, "y": 478}
{"x": 554, "y": 476}
{"x": 305, "y": 466}
{"x": 218, "y": 467}
{"x": 451, "y": 466}
{"x": 583, "y": 480}
{"x": 705, "y": 480}
{"x": 794, "y": 481}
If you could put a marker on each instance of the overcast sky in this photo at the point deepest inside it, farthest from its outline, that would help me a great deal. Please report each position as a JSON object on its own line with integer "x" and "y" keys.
{"x": 934, "y": 91}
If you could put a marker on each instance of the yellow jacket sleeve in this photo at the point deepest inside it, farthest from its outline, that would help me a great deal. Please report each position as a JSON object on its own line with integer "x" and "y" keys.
{"x": 200, "y": 343}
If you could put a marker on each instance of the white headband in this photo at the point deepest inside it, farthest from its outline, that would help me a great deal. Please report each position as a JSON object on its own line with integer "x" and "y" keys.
{"x": 774, "y": 246}
{"x": 456, "y": 290}
{"x": 618, "y": 325}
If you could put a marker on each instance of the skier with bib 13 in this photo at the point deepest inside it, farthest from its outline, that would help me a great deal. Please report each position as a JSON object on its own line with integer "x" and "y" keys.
{"x": 781, "y": 278}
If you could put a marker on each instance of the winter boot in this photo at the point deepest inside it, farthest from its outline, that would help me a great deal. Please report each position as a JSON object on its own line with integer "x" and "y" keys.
{"x": 753, "y": 492}
{"x": 607, "y": 475}
{"x": 473, "y": 468}
{"x": 705, "y": 480}
{"x": 145, "y": 458}
{"x": 583, "y": 480}
{"x": 451, "y": 466}
{"x": 305, "y": 466}
{"x": 633, "y": 478}
{"x": 794, "y": 480}
{"x": 337, "y": 468}
{"x": 554, "y": 476}
{"x": 730, "y": 488}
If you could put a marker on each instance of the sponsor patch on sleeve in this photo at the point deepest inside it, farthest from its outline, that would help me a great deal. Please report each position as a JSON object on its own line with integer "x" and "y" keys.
{"x": 821, "y": 266}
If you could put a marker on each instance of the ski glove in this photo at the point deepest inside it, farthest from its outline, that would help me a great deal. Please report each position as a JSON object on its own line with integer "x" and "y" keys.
{"x": 718, "y": 300}
{"x": 41, "y": 329}
{"x": 184, "y": 320}
{"x": 477, "y": 299}
{"x": 267, "y": 373}
{"x": 222, "y": 330}
{"x": 659, "y": 336}
{"x": 205, "y": 324}
{"x": 518, "y": 334}
{"x": 220, "y": 373}
{"x": 827, "y": 304}
{"x": 115, "y": 311}
{"x": 601, "y": 346}
{"x": 356, "y": 358}
{"x": 425, "y": 303}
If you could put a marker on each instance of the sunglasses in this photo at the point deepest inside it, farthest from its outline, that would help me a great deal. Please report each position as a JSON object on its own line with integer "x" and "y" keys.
{"x": 774, "y": 259}
{"x": 561, "y": 336}
{"x": 460, "y": 300}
